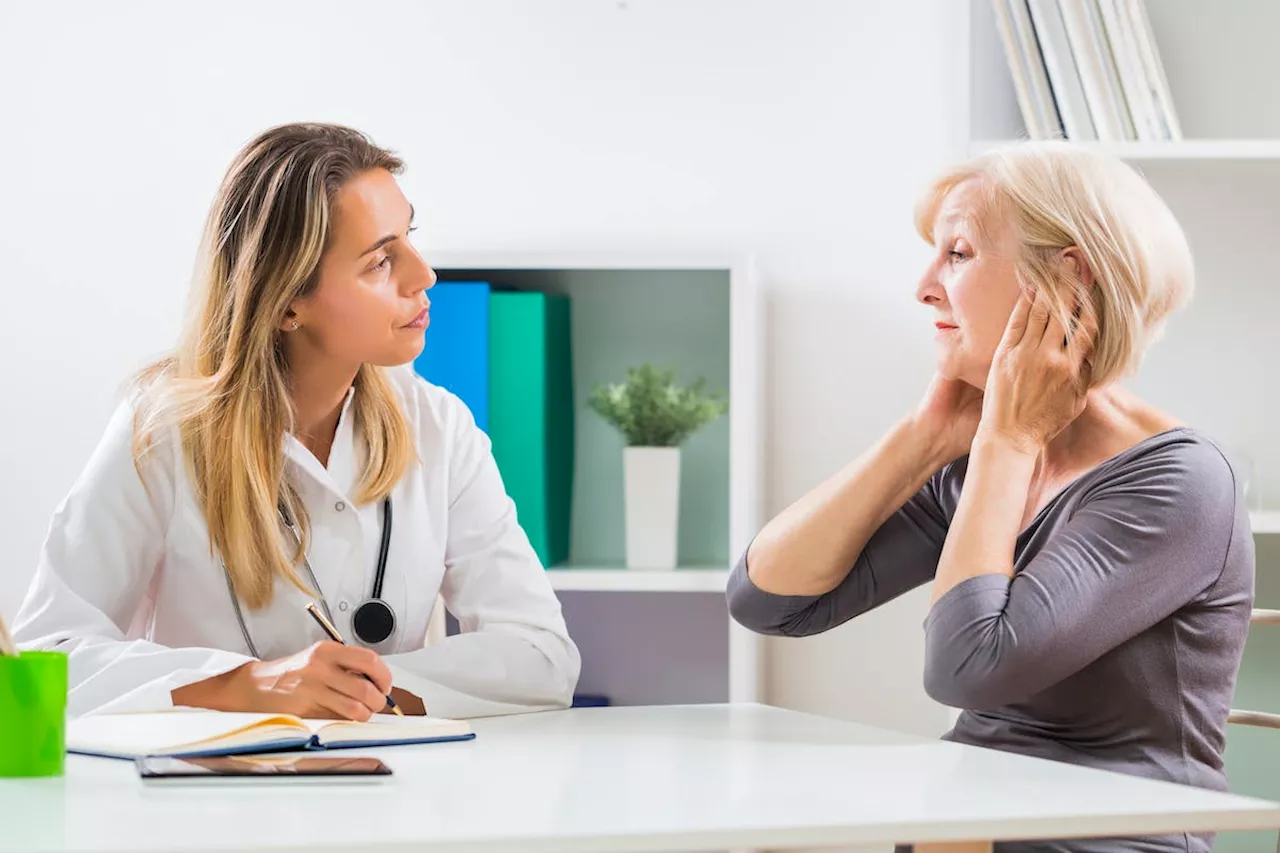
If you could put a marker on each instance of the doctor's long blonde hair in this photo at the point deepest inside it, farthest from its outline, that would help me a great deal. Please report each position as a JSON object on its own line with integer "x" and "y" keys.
{"x": 226, "y": 385}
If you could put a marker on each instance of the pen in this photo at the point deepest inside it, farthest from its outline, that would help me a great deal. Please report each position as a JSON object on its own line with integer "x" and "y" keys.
{"x": 337, "y": 638}
{"x": 7, "y": 646}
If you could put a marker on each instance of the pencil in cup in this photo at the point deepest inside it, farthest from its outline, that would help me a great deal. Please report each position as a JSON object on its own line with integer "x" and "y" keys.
{"x": 328, "y": 628}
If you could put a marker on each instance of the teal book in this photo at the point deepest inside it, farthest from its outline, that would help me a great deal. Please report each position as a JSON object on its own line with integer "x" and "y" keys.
{"x": 531, "y": 419}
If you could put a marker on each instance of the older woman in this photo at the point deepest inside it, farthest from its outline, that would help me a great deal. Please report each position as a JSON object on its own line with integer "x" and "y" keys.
{"x": 1090, "y": 556}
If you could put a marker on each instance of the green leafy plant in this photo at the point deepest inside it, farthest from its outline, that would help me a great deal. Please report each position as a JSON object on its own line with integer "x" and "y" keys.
{"x": 650, "y": 410}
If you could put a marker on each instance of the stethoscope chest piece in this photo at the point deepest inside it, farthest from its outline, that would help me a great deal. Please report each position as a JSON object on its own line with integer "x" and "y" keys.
{"x": 373, "y": 621}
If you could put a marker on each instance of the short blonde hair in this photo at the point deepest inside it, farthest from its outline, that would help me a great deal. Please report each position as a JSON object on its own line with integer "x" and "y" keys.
{"x": 1054, "y": 195}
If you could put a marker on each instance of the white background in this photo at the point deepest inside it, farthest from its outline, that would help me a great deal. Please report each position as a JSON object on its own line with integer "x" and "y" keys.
{"x": 798, "y": 131}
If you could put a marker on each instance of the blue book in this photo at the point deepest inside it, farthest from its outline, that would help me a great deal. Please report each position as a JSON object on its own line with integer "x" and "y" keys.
{"x": 456, "y": 355}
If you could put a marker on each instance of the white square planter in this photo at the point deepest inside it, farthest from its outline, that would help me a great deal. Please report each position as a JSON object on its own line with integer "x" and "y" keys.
{"x": 652, "y": 506}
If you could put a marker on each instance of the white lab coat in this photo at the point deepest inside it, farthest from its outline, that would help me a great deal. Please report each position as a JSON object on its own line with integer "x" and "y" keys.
{"x": 128, "y": 586}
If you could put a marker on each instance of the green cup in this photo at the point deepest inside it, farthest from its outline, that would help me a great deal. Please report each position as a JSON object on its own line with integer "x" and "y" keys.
{"x": 33, "y": 702}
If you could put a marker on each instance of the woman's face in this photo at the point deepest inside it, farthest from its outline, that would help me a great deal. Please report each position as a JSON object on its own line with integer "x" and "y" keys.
{"x": 970, "y": 284}
{"x": 369, "y": 305}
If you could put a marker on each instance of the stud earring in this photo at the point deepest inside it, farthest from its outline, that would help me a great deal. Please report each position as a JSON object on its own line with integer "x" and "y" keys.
{"x": 293, "y": 327}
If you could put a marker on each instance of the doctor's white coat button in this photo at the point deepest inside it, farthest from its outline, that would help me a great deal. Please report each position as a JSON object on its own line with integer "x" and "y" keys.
{"x": 342, "y": 605}
{"x": 340, "y": 506}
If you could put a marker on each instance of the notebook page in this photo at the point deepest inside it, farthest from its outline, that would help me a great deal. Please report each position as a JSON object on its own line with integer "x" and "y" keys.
{"x": 386, "y": 727}
{"x": 175, "y": 731}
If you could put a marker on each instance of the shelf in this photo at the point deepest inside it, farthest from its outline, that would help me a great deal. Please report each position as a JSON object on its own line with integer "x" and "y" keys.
{"x": 1189, "y": 149}
{"x": 700, "y": 314}
{"x": 617, "y": 579}
{"x": 1265, "y": 522}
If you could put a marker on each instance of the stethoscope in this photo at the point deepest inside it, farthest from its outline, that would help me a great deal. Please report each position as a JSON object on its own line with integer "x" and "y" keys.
{"x": 373, "y": 620}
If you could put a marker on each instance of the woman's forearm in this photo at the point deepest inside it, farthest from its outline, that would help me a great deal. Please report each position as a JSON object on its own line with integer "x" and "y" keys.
{"x": 810, "y": 547}
{"x": 989, "y": 515}
{"x": 222, "y": 692}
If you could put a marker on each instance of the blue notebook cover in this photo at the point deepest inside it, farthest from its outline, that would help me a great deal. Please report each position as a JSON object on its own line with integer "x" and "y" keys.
{"x": 456, "y": 355}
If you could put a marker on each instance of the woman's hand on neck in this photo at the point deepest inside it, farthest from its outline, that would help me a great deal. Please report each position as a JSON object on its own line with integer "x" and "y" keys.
{"x": 319, "y": 387}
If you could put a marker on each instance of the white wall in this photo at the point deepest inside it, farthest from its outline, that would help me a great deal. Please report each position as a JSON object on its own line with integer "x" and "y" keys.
{"x": 798, "y": 130}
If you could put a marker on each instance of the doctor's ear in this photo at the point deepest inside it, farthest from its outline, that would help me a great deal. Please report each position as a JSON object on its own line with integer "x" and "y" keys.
{"x": 290, "y": 322}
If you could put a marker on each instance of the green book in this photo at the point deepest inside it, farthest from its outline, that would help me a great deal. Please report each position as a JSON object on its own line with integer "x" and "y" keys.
{"x": 531, "y": 413}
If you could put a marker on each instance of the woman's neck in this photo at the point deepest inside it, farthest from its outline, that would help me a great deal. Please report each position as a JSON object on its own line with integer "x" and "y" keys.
{"x": 1113, "y": 420}
{"x": 319, "y": 392}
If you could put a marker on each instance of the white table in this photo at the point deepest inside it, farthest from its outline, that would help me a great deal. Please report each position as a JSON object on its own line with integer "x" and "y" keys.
{"x": 626, "y": 779}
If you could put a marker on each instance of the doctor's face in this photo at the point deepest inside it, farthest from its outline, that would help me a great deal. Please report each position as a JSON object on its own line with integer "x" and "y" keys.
{"x": 369, "y": 305}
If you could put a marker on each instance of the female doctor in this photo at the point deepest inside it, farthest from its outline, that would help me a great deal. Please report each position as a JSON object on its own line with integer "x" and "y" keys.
{"x": 284, "y": 454}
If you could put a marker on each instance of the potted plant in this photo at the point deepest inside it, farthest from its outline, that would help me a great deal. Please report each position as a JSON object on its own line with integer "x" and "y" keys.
{"x": 654, "y": 416}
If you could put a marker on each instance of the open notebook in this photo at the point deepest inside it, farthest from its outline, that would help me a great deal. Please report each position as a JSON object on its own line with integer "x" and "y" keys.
{"x": 189, "y": 733}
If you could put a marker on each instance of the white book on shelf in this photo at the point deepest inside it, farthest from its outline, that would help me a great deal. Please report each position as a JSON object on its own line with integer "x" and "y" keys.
{"x": 1018, "y": 71}
{"x": 1149, "y": 54}
{"x": 1064, "y": 76}
{"x": 1042, "y": 95}
{"x": 1106, "y": 104}
{"x": 1133, "y": 78}
{"x": 1098, "y": 32}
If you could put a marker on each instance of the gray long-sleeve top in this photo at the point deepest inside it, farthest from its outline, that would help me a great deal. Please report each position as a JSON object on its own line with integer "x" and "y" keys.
{"x": 1117, "y": 641}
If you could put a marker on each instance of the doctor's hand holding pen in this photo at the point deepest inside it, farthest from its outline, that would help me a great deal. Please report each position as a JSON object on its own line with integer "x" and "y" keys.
{"x": 325, "y": 680}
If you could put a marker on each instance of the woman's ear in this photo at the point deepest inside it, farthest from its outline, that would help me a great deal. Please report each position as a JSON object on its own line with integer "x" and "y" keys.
{"x": 1081, "y": 280}
{"x": 290, "y": 323}
{"x": 1085, "y": 305}
{"x": 299, "y": 312}
{"x": 1075, "y": 261}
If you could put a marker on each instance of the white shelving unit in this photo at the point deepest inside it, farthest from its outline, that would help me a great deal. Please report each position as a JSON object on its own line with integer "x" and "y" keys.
{"x": 1208, "y": 150}
{"x": 1215, "y": 366}
{"x": 660, "y": 636}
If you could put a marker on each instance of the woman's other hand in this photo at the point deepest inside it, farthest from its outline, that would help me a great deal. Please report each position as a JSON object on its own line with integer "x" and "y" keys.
{"x": 949, "y": 413}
